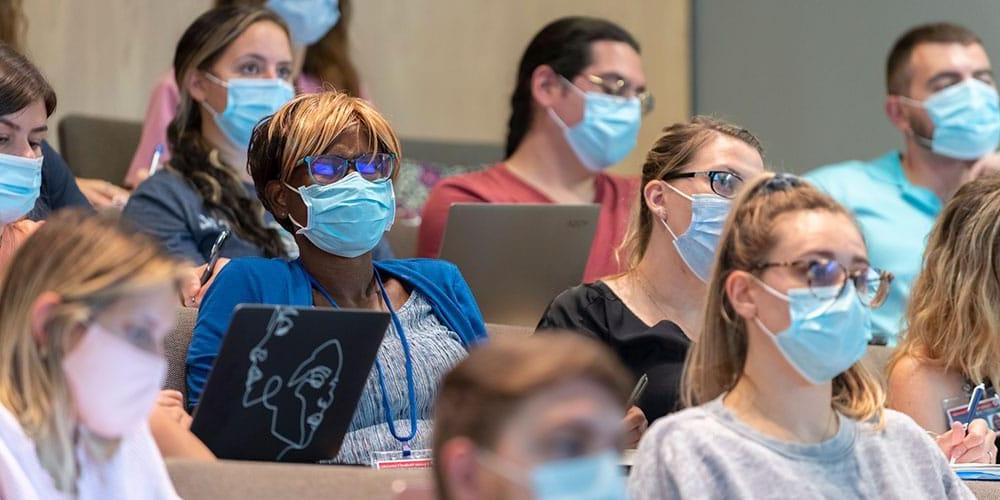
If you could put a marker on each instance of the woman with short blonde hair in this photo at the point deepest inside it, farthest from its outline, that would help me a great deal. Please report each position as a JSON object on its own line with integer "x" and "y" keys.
{"x": 784, "y": 405}
{"x": 323, "y": 166}
{"x": 84, "y": 309}
{"x": 952, "y": 341}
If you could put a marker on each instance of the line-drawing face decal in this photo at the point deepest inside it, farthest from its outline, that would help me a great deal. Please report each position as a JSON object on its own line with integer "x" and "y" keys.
{"x": 298, "y": 401}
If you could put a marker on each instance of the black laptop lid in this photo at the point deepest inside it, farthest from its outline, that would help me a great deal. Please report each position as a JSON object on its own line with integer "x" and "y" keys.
{"x": 287, "y": 381}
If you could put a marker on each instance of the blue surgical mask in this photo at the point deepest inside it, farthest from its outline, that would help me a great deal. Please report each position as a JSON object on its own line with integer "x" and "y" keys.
{"x": 349, "y": 217}
{"x": 20, "y": 185}
{"x": 608, "y": 131}
{"x": 248, "y": 101}
{"x": 966, "y": 118}
{"x": 698, "y": 244}
{"x": 827, "y": 334}
{"x": 593, "y": 477}
{"x": 307, "y": 20}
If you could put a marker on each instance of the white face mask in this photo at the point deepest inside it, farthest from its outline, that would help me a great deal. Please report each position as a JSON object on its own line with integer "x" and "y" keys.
{"x": 114, "y": 384}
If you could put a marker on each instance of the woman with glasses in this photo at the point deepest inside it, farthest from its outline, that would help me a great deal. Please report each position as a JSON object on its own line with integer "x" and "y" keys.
{"x": 576, "y": 110}
{"x": 323, "y": 167}
{"x": 952, "y": 341}
{"x": 650, "y": 313}
{"x": 779, "y": 403}
{"x": 84, "y": 310}
{"x": 233, "y": 66}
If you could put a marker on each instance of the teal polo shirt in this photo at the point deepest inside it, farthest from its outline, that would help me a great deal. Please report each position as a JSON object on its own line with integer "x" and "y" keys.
{"x": 895, "y": 217}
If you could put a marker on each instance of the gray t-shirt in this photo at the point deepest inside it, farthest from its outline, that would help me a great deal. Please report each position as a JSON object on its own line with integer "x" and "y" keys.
{"x": 705, "y": 452}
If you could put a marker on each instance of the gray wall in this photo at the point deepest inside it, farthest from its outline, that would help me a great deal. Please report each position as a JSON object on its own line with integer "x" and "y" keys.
{"x": 806, "y": 76}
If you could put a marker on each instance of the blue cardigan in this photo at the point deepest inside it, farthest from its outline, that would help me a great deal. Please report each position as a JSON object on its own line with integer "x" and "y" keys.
{"x": 255, "y": 280}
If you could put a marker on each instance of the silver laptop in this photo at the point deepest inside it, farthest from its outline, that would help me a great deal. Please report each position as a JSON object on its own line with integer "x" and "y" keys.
{"x": 517, "y": 258}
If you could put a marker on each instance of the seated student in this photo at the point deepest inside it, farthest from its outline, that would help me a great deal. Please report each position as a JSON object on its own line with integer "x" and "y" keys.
{"x": 60, "y": 188}
{"x": 649, "y": 314}
{"x": 84, "y": 310}
{"x": 319, "y": 38}
{"x": 323, "y": 167}
{"x": 547, "y": 429}
{"x": 953, "y": 339}
{"x": 786, "y": 408}
{"x": 233, "y": 64}
{"x": 26, "y": 102}
{"x": 941, "y": 95}
{"x": 576, "y": 110}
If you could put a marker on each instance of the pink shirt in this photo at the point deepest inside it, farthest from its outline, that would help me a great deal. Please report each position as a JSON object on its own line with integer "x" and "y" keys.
{"x": 616, "y": 196}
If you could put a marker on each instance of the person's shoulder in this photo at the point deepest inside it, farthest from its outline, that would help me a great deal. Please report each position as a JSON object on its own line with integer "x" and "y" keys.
{"x": 680, "y": 427}
{"x": 843, "y": 175}
{"x": 626, "y": 183}
{"x": 258, "y": 267}
{"x": 583, "y": 295}
{"x": 165, "y": 181}
{"x": 429, "y": 268}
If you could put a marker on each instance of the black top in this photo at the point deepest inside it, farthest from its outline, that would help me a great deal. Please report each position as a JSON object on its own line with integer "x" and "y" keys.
{"x": 59, "y": 189}
{"x": 658, "y": 351}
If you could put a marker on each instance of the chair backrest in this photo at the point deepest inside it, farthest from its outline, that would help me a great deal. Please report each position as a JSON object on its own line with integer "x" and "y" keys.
{"x": 452, "y": 152}
{"x": 403, "y": 238}
{"x": 514, "y": 331}
{"x": 195, "y": 480}
{"x": 176, "y": 347}
{"x": 98, "y": 148}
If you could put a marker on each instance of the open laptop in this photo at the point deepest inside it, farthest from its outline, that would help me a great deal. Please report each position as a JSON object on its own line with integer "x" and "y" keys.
{"x": 286, "y": 382}
{"x": 518, "y": 257}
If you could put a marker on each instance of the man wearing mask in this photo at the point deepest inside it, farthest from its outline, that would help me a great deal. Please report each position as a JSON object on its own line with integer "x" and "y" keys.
{"x": 576, "y": 110}
{"x": 941, "y": 95}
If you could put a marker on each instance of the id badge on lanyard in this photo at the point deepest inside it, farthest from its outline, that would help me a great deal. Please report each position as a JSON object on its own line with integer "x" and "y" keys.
{"x": 957, "y": 410}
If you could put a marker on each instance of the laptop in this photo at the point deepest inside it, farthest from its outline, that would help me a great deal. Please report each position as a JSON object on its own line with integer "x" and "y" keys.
{"x": 287, "y": 381}
{"x": 517, "y": 258}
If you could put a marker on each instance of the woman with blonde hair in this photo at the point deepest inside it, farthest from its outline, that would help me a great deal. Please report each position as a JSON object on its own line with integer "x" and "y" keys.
{"x": 952, "y": 342}
{"x": 84, "y": 309}
{"x": 783, "y": 404}
{"x": 323, "y": 167}
{"x": 649, "y": 314}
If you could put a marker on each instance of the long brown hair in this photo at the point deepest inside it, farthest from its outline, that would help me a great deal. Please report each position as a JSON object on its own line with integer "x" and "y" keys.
{"x": 954, "y": 309}
{"x": 715, "y": 363}
{"x": 219, "y": 186}
{"x": 91, "y": 262}
{"x": 673, "y": 151}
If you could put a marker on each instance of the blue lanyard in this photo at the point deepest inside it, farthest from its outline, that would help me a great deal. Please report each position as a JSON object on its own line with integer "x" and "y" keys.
{"x": 410, "y": 389}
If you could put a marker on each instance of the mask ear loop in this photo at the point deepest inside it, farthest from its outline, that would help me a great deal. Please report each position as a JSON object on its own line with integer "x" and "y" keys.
{"x": 663, "y": 220}
{"x": 926, "y": 142}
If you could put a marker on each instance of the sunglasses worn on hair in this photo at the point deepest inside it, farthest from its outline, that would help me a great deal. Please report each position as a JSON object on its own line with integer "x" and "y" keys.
{"x": 373, "y": 167}
{"x": 822, "y": 275}
{"x": 724, "y": 183}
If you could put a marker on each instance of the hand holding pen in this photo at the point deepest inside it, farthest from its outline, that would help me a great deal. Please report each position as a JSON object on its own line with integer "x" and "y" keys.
{"x": 973, "y": 442}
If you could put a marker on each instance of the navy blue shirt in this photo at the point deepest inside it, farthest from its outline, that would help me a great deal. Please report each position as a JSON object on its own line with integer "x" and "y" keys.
{"x": 169, "y": 208}
{"x": 59, "y": 188}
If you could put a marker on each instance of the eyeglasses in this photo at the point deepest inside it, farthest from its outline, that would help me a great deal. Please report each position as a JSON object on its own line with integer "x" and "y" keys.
{"x": 373, "y": 167}
{"x": 619, "y": 87}
{"x": 725, "y": 184}
{"x": 822, "y": 275}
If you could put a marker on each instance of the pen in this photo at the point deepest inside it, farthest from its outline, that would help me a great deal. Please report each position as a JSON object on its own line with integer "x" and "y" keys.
{"x": 977, "y": 395}
{"x": 640, "y": 388}
{"x": 155, "y": 164}
{"x": 213, "y": 258}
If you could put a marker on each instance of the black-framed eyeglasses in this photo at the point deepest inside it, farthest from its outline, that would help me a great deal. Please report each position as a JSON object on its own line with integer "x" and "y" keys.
{"x": 373, "y": 167}
{"x": 826, "y": 275}
{"x": 619, "y": 87}
{"x": 724, "y": 183}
